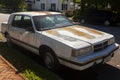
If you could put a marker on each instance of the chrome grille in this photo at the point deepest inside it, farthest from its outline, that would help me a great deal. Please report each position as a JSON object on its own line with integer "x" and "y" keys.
{"x": 100, "y": 46}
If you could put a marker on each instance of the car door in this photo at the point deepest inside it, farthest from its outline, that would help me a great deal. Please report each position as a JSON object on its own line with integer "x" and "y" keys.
{"x": 28, "y": 35}
{"x": 14, "y": 29}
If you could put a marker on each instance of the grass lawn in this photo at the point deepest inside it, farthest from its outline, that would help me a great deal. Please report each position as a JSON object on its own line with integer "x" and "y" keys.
{"x": 1, "y": 37}
{"x": 24, "y": 64}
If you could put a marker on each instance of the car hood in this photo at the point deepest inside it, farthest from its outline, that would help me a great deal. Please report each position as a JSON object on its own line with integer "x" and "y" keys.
{"x": 77, "y": 35}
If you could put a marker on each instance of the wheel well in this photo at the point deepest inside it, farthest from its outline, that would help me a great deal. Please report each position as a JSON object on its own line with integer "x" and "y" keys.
{"x": 6, "y": 33}
{"x": 44, "y": 48}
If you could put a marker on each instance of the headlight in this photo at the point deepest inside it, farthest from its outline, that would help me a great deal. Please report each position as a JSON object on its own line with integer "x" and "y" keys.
{"x": 82, "y": 51}
{"x": 111, "y": 41}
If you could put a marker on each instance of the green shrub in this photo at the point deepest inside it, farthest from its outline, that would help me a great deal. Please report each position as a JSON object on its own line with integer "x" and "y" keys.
{"x": 1, "y": 36}
{"x": 76, "y": 14}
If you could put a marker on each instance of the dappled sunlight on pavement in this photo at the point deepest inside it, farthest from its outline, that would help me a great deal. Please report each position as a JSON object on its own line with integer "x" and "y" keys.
{"x": 115, "y": 60}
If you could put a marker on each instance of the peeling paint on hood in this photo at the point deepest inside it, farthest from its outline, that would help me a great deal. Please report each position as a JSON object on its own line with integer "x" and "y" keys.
{"x": 75, "y": 34}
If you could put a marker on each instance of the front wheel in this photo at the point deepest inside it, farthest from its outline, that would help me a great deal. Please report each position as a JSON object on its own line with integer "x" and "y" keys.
{"x": 50, "y": 60}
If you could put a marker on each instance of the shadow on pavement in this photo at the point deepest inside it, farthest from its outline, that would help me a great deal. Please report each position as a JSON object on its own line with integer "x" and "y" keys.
{"x": 100, "y": 72}
{"x": 107, "y": 72}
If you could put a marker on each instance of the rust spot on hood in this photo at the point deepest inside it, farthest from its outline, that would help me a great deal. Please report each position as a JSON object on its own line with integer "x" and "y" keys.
{"x": 69, "y": 38}
{"x": 91, "y": 30}
{"x": 71, "y": 29}
{"x": 79, "y": 33}
{"x": 53, "y": 32}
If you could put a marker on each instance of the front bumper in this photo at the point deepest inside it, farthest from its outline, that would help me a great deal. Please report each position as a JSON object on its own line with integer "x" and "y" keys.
{"x": 83, "y": 62}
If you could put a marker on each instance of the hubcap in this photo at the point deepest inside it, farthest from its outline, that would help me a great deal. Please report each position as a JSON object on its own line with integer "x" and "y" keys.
{"x": 49, "y": 61}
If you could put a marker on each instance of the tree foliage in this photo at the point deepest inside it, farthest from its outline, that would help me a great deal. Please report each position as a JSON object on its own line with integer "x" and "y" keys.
{"x": 15, "y": 5}
{"x": 76, "y": 1}
{"x": 115, "y": 4}
{"x": 89, "y": 5}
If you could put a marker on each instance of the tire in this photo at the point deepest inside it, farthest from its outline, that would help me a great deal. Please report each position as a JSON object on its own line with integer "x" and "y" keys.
{"x": 8, "y": 39}
{"x": 82, "y": 21}
{"x": 50, "y": 60}
{"x": 106, "y": 22}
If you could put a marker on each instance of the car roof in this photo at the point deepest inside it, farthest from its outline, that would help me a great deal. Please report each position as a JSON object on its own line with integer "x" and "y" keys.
{"x": 37, "y": 13}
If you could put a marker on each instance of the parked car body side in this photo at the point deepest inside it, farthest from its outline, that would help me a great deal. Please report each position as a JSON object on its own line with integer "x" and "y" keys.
{"x": 57, "y": 40}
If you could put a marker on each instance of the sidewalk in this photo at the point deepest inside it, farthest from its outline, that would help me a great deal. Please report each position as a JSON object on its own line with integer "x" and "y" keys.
{"x": 8, "y": 72}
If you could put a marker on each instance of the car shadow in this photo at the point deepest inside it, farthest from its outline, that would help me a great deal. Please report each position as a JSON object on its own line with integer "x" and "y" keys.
{"x": 100, "y": 72}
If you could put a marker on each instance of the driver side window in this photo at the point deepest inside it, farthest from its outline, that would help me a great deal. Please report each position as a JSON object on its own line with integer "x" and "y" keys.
{"x": 27, "y": 23}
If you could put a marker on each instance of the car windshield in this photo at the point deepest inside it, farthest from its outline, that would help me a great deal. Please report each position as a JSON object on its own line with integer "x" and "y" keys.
{"x": 51, "y": 22}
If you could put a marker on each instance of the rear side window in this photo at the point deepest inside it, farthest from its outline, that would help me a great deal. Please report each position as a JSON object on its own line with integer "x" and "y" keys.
{"x": 17, "y": 21}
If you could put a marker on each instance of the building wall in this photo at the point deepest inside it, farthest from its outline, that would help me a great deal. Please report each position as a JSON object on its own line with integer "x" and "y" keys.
{"x": 37, "y": 4}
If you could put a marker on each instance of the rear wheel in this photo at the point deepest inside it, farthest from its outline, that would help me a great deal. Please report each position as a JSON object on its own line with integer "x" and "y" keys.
{"x": 8, "y": 39}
